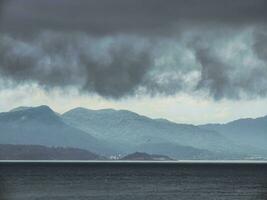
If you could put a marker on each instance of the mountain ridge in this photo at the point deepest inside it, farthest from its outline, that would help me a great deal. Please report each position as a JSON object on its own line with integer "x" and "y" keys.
{"x": 123, "y": 127}
{"x": 42, "y": 126}
{"x": 110, "y": 131}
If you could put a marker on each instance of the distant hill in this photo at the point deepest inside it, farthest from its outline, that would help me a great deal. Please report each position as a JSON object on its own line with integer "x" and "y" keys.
{"x": 146, "y": 156}
{"x": 42, "y": 126}
{"x": 37, "y": 152}
{"x": 180, "y": 152}
{"x": 251, "y": 132}
{"x": 111, "y": 132}
{"x": 131, "y": 131}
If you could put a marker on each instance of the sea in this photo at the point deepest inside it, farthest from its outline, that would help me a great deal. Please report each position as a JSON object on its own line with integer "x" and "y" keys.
{"x": 132, "y": 181}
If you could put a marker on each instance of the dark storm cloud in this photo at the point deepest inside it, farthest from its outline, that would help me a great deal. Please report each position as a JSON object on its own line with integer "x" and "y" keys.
{"x": 109, "y": 67}
{"x": 118, "y": 48}
{"x": 214, "y": 74}
{"x": 119, "y": 66}
{"x": 127, "y": 16}
{"x": 121, "y": 75}
{"x": 224, "y": 79}
{"x": 260, "y": 45}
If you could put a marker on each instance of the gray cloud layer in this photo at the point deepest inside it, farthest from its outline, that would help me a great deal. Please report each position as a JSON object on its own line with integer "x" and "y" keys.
{"x": 112, "y": 67}
{"x": 224, "y": 79}
{"x": 121, "y": 66}
{"x": 121, "y": 48}
{"x": 127, "y": 16}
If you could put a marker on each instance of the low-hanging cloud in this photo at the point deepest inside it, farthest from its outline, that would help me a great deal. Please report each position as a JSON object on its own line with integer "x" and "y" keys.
{"x": 230, "y": 68}
{"x": 119, "y": 66}
{"x": 260, "y": 44}
{"x": 111, "y": 67}
{"x": 122, "y": 48}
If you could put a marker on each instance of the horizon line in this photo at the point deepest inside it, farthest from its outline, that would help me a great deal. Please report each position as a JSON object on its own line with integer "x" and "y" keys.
{"x": 133, "y": 162}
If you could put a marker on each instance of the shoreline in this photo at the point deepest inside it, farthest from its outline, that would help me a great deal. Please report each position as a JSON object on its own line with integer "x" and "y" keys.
{"x": 134, "y": 162}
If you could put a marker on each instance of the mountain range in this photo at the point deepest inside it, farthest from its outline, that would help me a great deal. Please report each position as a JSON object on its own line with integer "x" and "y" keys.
{"x": 111, "y": 132}
{"x": 250, "y": 132}
{"x": 42, "y": 126}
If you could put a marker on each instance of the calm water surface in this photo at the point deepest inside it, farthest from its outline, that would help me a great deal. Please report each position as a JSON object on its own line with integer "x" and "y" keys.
{"x": 110, "y": 181}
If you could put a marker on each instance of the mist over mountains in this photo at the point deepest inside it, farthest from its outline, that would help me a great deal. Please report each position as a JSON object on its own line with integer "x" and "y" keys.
{"x": 117, "y": 133}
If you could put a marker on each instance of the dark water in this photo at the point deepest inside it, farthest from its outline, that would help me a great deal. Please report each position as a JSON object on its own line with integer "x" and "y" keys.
{"x": 133, "y": 181}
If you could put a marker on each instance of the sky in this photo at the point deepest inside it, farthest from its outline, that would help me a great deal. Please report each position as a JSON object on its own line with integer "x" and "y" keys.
{"x": 189, "y": 61}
